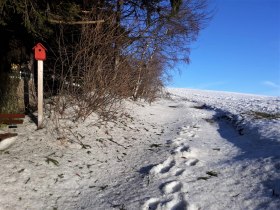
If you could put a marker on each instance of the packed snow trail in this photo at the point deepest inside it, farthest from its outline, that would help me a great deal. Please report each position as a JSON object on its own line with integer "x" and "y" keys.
{"x": 203, "y": 171}
{"x": 217, "y": 153}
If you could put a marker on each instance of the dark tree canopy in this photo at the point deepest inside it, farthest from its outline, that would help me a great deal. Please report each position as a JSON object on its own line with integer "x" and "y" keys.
{"x": 102, "y": 42}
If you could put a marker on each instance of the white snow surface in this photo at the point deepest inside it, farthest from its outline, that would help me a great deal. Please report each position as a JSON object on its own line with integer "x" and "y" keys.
{"x": 196, "y": 150}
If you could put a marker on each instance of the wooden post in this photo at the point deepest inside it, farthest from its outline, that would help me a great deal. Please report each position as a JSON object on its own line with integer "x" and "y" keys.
{"x": 40, "y": 56}
{"x": 40, "y": 93}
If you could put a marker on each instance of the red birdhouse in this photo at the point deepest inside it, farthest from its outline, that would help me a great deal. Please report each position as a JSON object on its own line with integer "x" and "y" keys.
{"x": 40, "y": 52}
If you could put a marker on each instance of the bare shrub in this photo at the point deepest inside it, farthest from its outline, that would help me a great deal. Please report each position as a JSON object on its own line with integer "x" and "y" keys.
{"x": 84, "y": 78}
{"x": 125, "y": 53}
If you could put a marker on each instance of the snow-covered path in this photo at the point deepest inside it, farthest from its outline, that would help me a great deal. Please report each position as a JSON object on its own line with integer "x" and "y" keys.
{"x": 207, "y": 170}
{"x": 175, "y": 154}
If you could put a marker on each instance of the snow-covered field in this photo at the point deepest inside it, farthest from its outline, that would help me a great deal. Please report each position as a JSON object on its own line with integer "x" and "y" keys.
{"x": 195, "y": 150}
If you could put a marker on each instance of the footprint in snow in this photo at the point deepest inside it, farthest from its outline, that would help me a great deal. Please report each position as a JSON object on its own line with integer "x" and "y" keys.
{"x": 190, "y": 127}
{"x": 164, "y": 167}
{"x": 179, "y": 140}
{"x": 191, "y": 134}
{"x": 182, "y": 148}
{"x": 151, "y": 204}
{"x": 191, "y": 162}
{"x": 178, "y": 172}
{"x": 171, "y": 187}
{"x": 183, "y": 151}
{"x": 186, "y": 128}
{"x": 176, "y": 201}
{"x": 189, "y": 131}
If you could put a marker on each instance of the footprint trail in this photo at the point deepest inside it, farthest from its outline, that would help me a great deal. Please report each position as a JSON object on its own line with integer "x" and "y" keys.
{"x": 172, "y": 195}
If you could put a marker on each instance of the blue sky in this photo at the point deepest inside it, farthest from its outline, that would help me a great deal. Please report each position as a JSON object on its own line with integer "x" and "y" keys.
{"x": 239, "y": 50}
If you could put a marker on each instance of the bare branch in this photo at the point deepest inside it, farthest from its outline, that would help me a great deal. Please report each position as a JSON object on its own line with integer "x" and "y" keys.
{"x": 75, "y": 22}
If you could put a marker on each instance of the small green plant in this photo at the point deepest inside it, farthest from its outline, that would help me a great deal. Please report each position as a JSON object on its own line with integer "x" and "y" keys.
{"x": 264, "y": 115}
{"x": 203, "y": 178}
{"x": 204, "y": 106}
{"x": 212, "y": 173}
{"x": 101, "y": 188}
{"x": 155, "y": 145}
{"x": 2, "y": 126}
{"x": 101, "y": 140}
{"x": 55, "y": 162}
{"x": 211, "y": 121}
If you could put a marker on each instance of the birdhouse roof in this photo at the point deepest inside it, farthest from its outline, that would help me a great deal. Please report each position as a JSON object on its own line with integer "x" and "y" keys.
{"x": 39, "y": 45}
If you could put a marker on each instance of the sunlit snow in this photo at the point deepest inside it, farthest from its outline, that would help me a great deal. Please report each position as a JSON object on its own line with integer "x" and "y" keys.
{"x": 192, "y": 150}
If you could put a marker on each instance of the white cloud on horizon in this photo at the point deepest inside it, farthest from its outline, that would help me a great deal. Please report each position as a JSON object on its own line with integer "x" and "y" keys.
{"x": 274, "y": 88}
{"x": 271, "y": 84}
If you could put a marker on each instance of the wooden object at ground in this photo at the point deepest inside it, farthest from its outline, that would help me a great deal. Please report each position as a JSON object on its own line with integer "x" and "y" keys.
{"x": 7, "y": 135}
{"x": 11, "y": 119}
